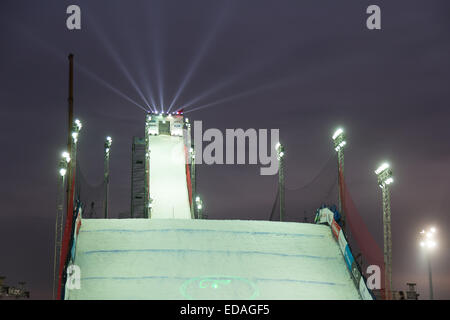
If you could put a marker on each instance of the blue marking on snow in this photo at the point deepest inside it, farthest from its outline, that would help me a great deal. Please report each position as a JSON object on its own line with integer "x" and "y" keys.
{"x": 302, "y": 281}
{"x": 207, "y": 251}
{"x": 326, "y": 283}
{"x": 211, "y": 231}
{"x": 134, "y": 278}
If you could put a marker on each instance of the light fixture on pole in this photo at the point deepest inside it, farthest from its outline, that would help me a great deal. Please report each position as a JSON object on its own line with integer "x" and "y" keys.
{"x": 76, "y": 128}
{"x": 280, "y": 156}
{"x": 428, "y": 243}
{"x": 199, "y": 205}
{"x": 339, "y": 142}
{"x": 63, "y": 165}
{"x": 385, "y": 179}
{"x": 108, "y": 143}
{"x": 193, "y": 180}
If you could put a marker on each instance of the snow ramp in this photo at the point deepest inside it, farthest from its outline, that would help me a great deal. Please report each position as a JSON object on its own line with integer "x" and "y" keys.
{"x": 168, "y": 184}
{"x": 209, "y": 259}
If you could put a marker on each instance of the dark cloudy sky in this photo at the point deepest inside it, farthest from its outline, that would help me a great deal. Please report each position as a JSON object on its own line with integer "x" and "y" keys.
{"x": 309, "y": 66}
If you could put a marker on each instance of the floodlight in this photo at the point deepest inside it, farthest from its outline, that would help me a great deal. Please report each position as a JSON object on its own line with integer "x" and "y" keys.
{"x": 66, "y": 156}
{"x": 381, "y": 168}
{"x": 62, "y": 172}
{"x": 78, "y": 124}
{"x": 339, "y": 140}
{"x": 337, "y": 133}
{"x": 108, "y": 143}
{"x": 427, "y": 238}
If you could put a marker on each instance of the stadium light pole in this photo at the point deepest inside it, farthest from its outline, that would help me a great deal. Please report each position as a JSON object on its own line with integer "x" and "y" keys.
{"x": 76, "y": 128}
{"x": 339, "y": 142}
{"x": 428, "y": 243}
{"x": 108, "y": 143}
{"x": 280, "y": 156}
{"x": 63, "y": 164}
{"x": 385, "y": 179}
{"x": 193, "y": 180}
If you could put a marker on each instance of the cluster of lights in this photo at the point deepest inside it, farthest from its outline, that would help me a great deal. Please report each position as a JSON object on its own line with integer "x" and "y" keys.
{"x": 76, "y": 130}
{"x": 339, "y": 139}
{"x": 108, "y": 143}
{"x": 280, "y": 150}
{"x": 179, "y": 112}
{"x": 427, "y": 240}
{"x": 384, "y": 174}
{"x": 64, "y": 163}
{"x": 199, "y": 203}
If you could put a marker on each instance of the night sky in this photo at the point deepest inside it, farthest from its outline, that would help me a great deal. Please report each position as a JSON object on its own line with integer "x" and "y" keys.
{"x": 305, "y": 67}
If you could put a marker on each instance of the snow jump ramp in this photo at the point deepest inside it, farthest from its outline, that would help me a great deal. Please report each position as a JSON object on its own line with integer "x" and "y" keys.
{"x": 209, "y": 259}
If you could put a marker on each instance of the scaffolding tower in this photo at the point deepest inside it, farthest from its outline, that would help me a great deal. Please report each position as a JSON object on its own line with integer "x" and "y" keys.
{"x": 138, "y": 177}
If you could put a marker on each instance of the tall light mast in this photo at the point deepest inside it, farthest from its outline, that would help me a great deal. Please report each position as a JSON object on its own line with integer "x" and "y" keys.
{"x": 339, "y": 142}
{"x": 384, "y": 174}
{"x": 280, "y": 156}
{"x": 428, "y": 243}
{"x": 108, "y": 143}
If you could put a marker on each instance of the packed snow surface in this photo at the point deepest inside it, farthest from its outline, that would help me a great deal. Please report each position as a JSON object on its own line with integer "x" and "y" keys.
{"x": 209, "y": 259}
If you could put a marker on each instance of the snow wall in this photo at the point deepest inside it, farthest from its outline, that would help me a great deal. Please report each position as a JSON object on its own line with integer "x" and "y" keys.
{"x": 325, "y": 215}
{"x": 210, "y": 259}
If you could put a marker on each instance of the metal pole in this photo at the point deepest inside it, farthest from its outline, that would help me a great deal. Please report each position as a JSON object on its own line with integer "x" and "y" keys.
{"x": 106, "y": 173}
{"x": 385, "y": 178}
{"x": 339, "y": 142}
{"x": 193, "y": 181}
{"x": 70, "y": 127}
{"x": 73, "y": 163}
{"x": 429, "y": 276}
{"x": 340, "y": 195}
{"x": 387, "y": 240}
{"x": 281, "y": 180}
{"x": 58, "y": 232}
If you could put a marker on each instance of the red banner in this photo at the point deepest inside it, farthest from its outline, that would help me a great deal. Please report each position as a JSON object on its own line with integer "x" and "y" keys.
{"x": 336, "y": 229}
{"x": 188, "y": 175}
